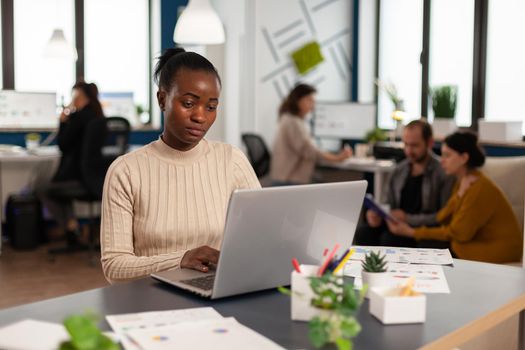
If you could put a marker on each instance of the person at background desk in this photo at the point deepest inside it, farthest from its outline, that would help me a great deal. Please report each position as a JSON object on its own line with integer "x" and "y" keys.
{"x": 418, "y": 189}
{"x": 74, "y": 119}
{"x": 478, "y": 220}
{"x": 294, "y": 152}
{"x": 164, "y": 205}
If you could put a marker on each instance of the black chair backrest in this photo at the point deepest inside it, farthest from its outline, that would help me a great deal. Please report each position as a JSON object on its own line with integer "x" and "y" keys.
{"x": 105, "y": 139}
{"x": 117, "y": 140}
{"x": 92, "y": 162}
{"x": 258, "y": 153}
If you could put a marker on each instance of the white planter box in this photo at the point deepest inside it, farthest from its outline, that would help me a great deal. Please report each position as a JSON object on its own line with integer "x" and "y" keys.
{"x": 443, "y": 127}
{"x": 390, "y": 308}
{"x": 375, "y": 279}
{"x": 302, "y": 294}
{"x": 500, "y": 131}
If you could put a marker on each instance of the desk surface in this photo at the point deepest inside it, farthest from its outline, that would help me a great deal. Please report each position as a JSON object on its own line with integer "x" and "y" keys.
{"x": 483, "y": 295}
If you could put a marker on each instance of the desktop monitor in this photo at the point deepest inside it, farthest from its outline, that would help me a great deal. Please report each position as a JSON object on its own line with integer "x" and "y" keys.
{"x": 28, "y": 110}
{"x": 119, "y": 104}
{"x": 346, "y": 120}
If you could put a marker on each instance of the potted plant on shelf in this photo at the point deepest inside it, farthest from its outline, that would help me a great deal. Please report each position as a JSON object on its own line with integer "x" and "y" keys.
{"x": 444, "y": 102}
{"x": 398, "y": 114}
{"x": 371, "y": 137}
{"x": 374, "y": 270}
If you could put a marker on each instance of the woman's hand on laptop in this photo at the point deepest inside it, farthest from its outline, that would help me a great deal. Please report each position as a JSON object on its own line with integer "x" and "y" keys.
{"x": 200, "y": 258}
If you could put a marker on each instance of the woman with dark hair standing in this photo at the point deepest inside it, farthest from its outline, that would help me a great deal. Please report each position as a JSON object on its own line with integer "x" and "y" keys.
{"x": 164, "y": 205}
{"x": 84, "y": 108}
{"x": 294, "y": 152}
{"x": 478, "y": 220}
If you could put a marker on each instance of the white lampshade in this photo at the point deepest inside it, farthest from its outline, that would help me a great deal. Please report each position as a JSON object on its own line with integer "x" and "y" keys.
{"x": 58, "y": 47}
{"x": 199, "y": 24}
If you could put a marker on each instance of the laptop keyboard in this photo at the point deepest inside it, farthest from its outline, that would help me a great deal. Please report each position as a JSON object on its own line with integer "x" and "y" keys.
{"x": 205, "y": 283}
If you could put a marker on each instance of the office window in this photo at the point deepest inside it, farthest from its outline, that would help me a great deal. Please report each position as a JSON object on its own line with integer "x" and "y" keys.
{"x": 367, "y": 51}
{"x": 505, "y": 84}
{"x": 451, "y": 50}
{"x": 400, "y": 44}
{"x": 116, "y": 47}
{"x": 34, "y": 22}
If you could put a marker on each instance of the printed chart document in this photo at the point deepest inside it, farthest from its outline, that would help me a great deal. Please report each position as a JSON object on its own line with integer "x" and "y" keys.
{"x": 407, "y": 255}
{"x": 216, "y": 334}
{"x": 32, "y": 335}
{"x": 428, "y": 278}
{"x": 124, "y": 323}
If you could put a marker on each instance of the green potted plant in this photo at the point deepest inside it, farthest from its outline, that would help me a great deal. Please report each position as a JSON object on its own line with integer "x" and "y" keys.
{"x": 32, "y": 140}
{"x": 332, "y": 307}
{"x": 374, "y": 270}
{"x": 85, "y": 334}
{"x": 372, "y": 136}
{"x": 375, "y": 135}
{"x": 444, "y": 102}
{"x": 391, "y": 90}
{"x": 339, "y": 302}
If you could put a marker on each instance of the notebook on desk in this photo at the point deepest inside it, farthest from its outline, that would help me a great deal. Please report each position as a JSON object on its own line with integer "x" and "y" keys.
{"x": 265, "y": 228}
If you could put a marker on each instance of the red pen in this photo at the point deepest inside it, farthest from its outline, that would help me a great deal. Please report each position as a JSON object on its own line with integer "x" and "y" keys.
{"x": 327, "y": 261}
{"x": 325, "y": 251}
{"x": 295, "y": 264}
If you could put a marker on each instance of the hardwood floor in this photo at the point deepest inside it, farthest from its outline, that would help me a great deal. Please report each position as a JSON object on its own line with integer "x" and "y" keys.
{"x": 29, "y": 276}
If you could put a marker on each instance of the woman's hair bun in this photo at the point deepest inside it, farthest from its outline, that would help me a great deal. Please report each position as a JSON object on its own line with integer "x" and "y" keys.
{"x": 163, "y": 59}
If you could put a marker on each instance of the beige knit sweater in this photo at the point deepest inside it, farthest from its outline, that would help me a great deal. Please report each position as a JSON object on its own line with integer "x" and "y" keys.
{"x": 158, "y": 203}
{"x": 294, "y": 152}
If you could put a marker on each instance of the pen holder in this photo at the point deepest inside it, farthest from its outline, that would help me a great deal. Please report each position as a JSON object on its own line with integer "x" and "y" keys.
{"x": 302, "y": 294}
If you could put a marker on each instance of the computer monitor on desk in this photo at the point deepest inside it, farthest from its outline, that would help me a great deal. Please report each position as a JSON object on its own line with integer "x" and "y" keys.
{"x": 27, "y": 110}
{"x": 389, "y": 150}
{"x": 346, "y": 120}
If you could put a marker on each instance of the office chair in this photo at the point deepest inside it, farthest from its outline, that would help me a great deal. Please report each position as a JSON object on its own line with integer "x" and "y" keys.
{"x": 105, "y": 139}
{"x": 258, "y": 154}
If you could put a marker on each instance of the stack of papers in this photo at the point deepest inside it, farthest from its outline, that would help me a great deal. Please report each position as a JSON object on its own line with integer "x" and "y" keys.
{"x": 217, "y": 334}
{"x": 124, "y": 323}
{"x": 428, "y": 278}
{"x": 36, "y": 335}
{"x": 425, "y": 265}
{"x": 185, "y": 329}
{"x": 32, "y": 335}
{"x": 407, "y": 255}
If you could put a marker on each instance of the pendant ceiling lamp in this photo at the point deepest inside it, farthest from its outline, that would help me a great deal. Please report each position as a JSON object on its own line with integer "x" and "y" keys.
{"x": 58, "y": 47}
{"x": 199, "y": 24}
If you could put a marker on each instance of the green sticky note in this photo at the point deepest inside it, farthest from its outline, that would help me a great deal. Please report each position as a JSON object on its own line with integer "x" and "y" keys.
{"x": 307, "y": 57}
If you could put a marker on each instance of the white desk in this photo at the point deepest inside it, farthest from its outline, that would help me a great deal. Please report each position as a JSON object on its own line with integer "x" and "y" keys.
{"x": 20, "y": 170}
{"x": 380, "y": 168}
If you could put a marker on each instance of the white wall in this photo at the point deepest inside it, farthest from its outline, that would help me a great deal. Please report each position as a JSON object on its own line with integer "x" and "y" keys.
{"x": 250, "y": 99}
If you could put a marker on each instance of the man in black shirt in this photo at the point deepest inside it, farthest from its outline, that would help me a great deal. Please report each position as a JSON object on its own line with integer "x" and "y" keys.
{"x": 418, "y": 189}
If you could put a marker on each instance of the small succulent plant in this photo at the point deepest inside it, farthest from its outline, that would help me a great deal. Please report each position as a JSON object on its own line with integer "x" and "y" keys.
{"x": 374, "y": 262}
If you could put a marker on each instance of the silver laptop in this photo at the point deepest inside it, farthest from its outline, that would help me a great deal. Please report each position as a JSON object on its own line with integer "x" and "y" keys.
{"x": 266, "y": 228}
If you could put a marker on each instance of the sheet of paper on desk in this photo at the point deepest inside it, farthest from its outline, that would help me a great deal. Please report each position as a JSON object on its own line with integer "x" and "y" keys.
{"x": 32, "y": 335}
{"x": 428, "y": 278}
{"x": 124, "y": 323}
{"x": 407, "y": 255}
{"x": 218, "y": 334}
